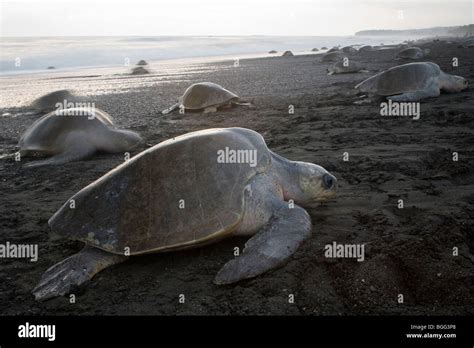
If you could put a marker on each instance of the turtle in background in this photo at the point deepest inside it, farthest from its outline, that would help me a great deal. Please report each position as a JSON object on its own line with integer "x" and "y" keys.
{"x": 142, "y": 62}
{"x": 333, "y": 56}
{"x": 366, "y": 48}
{"x": 412, "y": 82}
{"x": 206, "y": 97}
{"x": 287, "y": 54}
{"x": 350, "y": 66}
{"x": 412, "y": 53}
{"x": 134, "y": 209}
{"x": 53, "y": 101}
{"x": 349, "y": 50}
{"x": 139, "y": 70}
{"x": 74, "y": 134}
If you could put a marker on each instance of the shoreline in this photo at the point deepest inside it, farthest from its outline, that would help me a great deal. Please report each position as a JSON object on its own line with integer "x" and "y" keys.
{"x": 329, "y": 41}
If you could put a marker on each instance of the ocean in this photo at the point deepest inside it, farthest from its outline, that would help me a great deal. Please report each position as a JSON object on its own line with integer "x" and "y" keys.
{"x": 27, "y": 54}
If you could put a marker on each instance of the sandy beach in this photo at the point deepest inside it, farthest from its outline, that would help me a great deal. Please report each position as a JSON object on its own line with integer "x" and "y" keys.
{"x": 408, "y": 251}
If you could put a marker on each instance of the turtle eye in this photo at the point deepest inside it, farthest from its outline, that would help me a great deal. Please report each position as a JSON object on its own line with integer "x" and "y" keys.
{"x": 328, "y": 181}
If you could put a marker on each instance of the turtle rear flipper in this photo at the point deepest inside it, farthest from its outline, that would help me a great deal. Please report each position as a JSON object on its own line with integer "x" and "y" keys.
{"x": 74, "y": 271}
{"x": 269, "y": 248}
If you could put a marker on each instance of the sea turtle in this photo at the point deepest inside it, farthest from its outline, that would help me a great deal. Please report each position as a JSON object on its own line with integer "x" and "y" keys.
{"x": 412, "y": 82}
{"x": 349, "y": 50}
{"x": 366, "y": 48}
{"x": 73, "y": 134}
{"x": 287, "y": 54}
{"x": 142, "y": 62}
{"x": 53, "y": 100}
{"x": 412, "y": 53}
{"x": 139, "y": 70}
{"x": 324, "y": 48}
{"x": 186, "y": 192}
{"x": 207, "y": 97}
{"x": 314, "y": 50}
{"x": 272, "y": 52}
{"x": 467, "y": 43}
{"x": 346, "y": 67}
{"x": 333, "y": 56}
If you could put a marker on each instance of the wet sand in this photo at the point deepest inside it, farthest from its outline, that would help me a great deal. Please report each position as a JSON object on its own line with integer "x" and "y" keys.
{"x": 408, "y": 251}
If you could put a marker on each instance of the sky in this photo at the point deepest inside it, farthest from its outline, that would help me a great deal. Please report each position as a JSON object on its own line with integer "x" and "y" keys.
{"x": 225, "y": 17}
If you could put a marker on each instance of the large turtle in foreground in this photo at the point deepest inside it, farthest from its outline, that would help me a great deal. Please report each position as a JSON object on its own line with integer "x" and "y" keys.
{"x": 186, "y": 192}
{"x": 206, "y": 97}
{"x": 412, "y": 82}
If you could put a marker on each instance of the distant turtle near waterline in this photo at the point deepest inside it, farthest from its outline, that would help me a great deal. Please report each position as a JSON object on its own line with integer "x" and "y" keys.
{"x": 287, "y": 54}
{"x": 324, "y": 48}
{"x": 139, "y": 70}
{"x": 272, "y": 52}
{"x": 206, "y": 97}
{"x": 133, "y": 209}
{"x": 53, "y": 101}
{"x": 412, "y": 53}
{"x": 142, "y": 62}
{"x": 51, "y": 67}
{"x": 74, "y": 134}
{"x": 314, "y": 50}
{"x": 350, "y": 66}
{"x": 412, "y": 82}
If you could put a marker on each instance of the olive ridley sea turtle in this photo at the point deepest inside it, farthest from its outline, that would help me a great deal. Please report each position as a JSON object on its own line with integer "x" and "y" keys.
{"x": 206, "y": 97}
{"x": 333, "y": 56}
{"x": 412, "y": 53}
{"x": 412, "y": 82}
{"x": 74, "y": 134}
{"x": 50, "y": 101}
{"x": 346, "y": 67}
{"x": 136, "y": 207}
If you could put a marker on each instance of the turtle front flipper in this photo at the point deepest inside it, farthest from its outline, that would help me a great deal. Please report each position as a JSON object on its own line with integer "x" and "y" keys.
{"x": 77, "y": 269}
{"x": 415, "y": 96}
{"x": 171, "y": 108}
{"x": 271, "y": 247}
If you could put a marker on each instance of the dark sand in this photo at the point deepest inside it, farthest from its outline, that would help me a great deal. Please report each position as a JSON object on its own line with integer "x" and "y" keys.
{"x": 408, "y": 251}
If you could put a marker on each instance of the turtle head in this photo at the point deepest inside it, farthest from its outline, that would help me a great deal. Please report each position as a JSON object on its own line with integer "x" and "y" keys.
{"x": 122, "y": 141}
{"x": 313, "y": 184}
{"x": 453, "y": 83}
{"x": 331, "y": 70}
